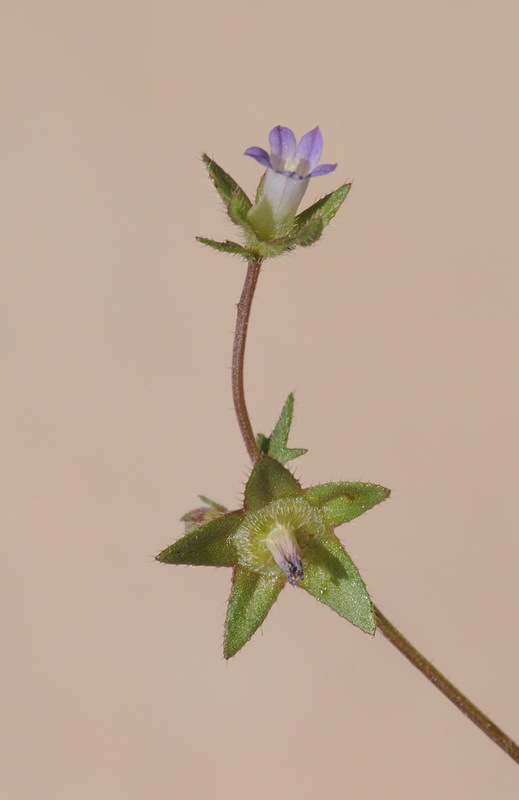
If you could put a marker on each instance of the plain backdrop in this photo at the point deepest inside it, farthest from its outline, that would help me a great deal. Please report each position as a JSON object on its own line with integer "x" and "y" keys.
{"x": 398, "y": 333}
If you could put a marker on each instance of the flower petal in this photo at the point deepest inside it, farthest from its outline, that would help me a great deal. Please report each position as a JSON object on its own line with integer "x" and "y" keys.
{"x": 322, "y": 169}
{"x": 259, "y": 154}
{"x": 309, "y": 150}
{"x": 282, "y": 146}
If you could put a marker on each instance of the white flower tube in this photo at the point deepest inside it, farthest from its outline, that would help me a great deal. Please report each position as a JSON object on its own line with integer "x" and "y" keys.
{"x": 289, "y": 169}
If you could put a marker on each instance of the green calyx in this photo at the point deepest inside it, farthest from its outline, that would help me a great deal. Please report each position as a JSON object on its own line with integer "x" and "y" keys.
{"x": 306, "y": 229}
{"x": 283, "y": 533}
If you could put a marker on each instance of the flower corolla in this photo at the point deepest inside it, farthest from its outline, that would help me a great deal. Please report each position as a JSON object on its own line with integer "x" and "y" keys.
{"x": 289, "y": 168}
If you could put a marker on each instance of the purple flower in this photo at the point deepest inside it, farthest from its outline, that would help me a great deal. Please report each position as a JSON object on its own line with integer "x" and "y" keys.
{"x": 283, "y": 545}
{"x": 289, "y": 169}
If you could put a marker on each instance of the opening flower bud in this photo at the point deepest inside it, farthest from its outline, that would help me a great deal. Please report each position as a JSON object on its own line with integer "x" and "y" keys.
{"x": 289, "y": 168}
{"x": 283, "y": 545}
{"x": 272, "y": 539}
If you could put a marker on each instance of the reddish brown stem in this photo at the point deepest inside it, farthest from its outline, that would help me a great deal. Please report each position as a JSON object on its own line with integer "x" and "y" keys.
{"x": 449, "y": 690}
{"x": 384, "y": 625}
{"x": 238, "y": 358}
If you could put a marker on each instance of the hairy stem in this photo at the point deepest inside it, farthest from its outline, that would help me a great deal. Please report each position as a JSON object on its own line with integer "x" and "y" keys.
{"x": 238, "y": 357}
{"x": 449, "y": 690}
{"x": 384, "y": 625}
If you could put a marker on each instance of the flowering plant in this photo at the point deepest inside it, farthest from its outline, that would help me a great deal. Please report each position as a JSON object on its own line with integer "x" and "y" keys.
{"x": 284, "y": 533}
{"x": 289, "y": 169}
{"x": 271, "y": 226}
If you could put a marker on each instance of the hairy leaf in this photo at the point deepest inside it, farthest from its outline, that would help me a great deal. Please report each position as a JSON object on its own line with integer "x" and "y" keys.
{"x": 275, "y": 445}
{"x": 326, "y": 208}
{"x": 268, "y": 481}
{"x": 252, "y": 596}
{"x": 227, "y": 247}
{"x": 332, "y": 577}
{"x": 344, "y": 501}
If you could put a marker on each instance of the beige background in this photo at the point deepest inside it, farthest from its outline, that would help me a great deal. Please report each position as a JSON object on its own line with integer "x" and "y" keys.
{"x": 398, "y": 333}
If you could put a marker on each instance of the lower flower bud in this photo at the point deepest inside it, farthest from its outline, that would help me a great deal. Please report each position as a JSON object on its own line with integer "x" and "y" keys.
{"x": 283, "y": 545}
{"x": 275, "y": 539}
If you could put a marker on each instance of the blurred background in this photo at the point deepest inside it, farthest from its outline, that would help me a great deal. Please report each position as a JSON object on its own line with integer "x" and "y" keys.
{"x": 398, "y": 333}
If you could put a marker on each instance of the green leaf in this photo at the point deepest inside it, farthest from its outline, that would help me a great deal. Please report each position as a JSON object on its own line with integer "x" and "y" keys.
{"x": 326, "y": 208}
{"x": 259, "y": 190}
{"x": 268, "y": 481}
{"x": 264, "y": 249}
{"x": 211, "y": 544}
{"x": 308, "y": 234}
{"x": 332, "y": 577}
{"x": 275, "y": 445}
{"x": 252, "y": 597}
{"x": 344, "y": 501}
{"x": 263, "y": 443}
{"x": 302, "y": 236}
{"x": 237, "y": 209}
{"x": 226, "y": 186}
{"x": 227, "y": 247}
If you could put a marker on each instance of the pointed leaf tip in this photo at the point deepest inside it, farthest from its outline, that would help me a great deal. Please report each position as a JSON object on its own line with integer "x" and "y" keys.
{"x": 326, "y": 208}
{"x": 268, "y": 481}
{"x": 226, "y": 186}
{"x": 227, "y": 247}
{"x": 252, "y": 597}
{"x": 332, "y": 577}
{"x": 275, "y": 445}
{"x": 342, "y": 502}
{"x": 211, "y": 544}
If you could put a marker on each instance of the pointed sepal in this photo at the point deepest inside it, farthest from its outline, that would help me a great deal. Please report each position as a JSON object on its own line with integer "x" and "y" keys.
{"x": 300, "y": 236}
{"x": 259, "y": 190}
{"x": 306, "y": 234}
{"x": 342, "y": 502}
{"x": 252, "y": 597}
{"x": 226, "y": 186}
{"x": 325, "y": 208}
{"x": 275, "y": 445}
{"x": 211, "y": 544}
{"x": 268, "y": 481}
{"x": 227, "y": 247}
{"x": 332, "y": 577}
{"x": 237, "y": 209}
{"x": 268, "y": 249}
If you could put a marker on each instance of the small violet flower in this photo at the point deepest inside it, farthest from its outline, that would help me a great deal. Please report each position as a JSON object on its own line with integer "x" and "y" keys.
{"x": 282, "y": 543}
{"x": 289, "y": 169}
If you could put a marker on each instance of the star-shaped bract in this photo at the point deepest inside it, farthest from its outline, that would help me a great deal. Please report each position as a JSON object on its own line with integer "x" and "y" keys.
{"x": 283, "y": 533}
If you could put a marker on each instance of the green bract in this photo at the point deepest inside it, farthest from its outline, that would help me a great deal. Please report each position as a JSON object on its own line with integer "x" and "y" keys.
{"x": 306, "y": 229}
{"x": 283, "y": 533}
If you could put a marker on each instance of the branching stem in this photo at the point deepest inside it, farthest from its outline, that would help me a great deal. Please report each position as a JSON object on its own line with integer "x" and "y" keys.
{"x": 384, "y": 626}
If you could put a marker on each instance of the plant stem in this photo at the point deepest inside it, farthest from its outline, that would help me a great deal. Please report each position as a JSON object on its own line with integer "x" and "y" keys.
{"x": 449, "y": 690}
{"x": 238, "y": 357}
{"x": 384, "y": 625}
